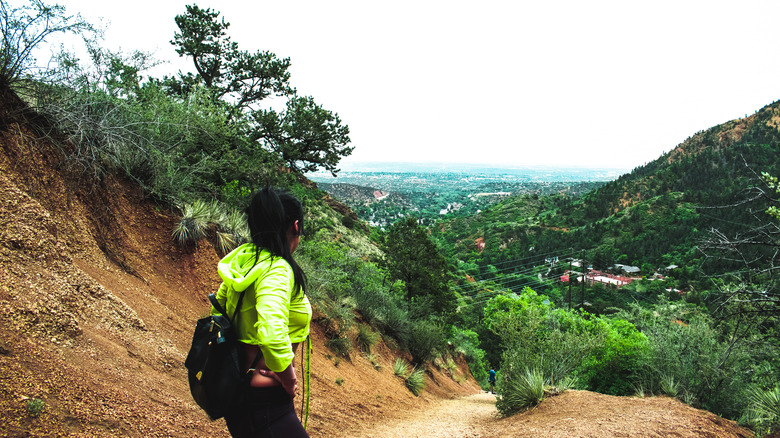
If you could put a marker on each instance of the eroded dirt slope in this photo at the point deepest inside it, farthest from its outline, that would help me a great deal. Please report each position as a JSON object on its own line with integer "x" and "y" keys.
{"x": 97, "y": 307}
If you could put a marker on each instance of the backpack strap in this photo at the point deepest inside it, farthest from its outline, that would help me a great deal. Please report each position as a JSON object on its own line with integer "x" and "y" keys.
{"x": 215, "y": 303}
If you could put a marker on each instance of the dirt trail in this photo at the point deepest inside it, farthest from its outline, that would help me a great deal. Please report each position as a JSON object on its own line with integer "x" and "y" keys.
{"x": 571, "y": 414}
{"x": 462, "y": 417}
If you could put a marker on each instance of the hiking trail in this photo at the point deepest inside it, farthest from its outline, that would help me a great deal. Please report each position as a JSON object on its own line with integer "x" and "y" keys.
{"x": 467, "y": 417}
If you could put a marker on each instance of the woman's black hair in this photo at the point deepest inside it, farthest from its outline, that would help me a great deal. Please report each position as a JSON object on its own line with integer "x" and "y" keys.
{"x": 270, "y": 214}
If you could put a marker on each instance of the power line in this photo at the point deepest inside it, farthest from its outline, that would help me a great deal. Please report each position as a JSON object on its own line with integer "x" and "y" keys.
{"x": 514, "y": 289}
{"x": 502, "y": 281}
{"x": 513, "y": 267}
{"x": 516, "y": 261}
{"x": 507, "y": 285}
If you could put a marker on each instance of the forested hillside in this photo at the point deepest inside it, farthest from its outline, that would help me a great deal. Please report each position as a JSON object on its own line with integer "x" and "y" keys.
{"x": 689, "y": 238}
{"x": 655, "y": 215}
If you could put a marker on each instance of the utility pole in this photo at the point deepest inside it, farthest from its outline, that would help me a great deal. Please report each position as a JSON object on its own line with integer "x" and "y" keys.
{"x": 571, "y": 261}
{"x": 584, "y": 278}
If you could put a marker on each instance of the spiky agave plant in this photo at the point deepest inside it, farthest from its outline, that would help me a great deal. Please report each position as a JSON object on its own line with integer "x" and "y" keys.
{"x": 669, "y": 385}
{"x": 212, "y": 211}
{"x": 400, "y": 367}
{"x": 226, "y": 242}
{"x": 521, "y": 392}
{"x": 416, "y": 381}
{"x": 366, "y": 338}
{"x": 193, "y": 224}
{"x": 235, "y": 222}
{"x": 765, "y": 408}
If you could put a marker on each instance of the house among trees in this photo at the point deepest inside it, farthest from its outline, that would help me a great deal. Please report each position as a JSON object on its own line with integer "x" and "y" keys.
{"x": 626, "y": 269}
{"x": 595, "y": 276}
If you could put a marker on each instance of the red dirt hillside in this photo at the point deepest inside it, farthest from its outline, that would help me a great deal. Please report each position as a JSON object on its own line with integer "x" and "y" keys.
{"x": 98, "y": 307}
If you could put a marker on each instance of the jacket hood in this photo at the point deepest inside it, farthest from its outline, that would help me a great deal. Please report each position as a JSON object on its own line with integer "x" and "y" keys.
{"x": 238, "y": 269}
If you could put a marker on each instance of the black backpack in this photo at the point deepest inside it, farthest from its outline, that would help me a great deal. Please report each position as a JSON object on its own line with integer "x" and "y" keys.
{"x": 217, "y": 381}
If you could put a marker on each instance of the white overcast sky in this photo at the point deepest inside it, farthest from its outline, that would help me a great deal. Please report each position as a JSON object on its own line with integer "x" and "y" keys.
{"x": 559, "y": 83}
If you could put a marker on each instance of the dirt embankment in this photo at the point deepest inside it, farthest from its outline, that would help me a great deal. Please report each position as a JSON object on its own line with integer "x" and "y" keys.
{"x": 97, "y": 307}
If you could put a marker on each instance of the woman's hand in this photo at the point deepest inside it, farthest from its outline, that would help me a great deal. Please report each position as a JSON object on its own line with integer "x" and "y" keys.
{"x": 286, "y": 378}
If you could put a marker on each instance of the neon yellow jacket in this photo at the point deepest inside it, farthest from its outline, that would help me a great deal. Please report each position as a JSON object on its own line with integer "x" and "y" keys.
{"x": 272, "y": 317}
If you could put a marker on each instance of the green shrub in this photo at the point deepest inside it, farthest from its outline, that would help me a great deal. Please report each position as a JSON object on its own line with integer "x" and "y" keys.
{"x": 366, "y": 338}
{"x": 424, "y": 340}
{"x": 689, "y": 357}
{"x": 395, "y": 322}
{"x": 337, "y": 320}
{"x": 347, "y": 221}
{"x": 35, "y": 407}
{"x": 521, "y": 391}
{"x": 340, "y": 346}
{"x": 377, "y": 304}
{"x": 400, "y": 368}
{"x": 416, "y": 381}
{"x": 614, "y": 363}
{"x": 467, "y": 342}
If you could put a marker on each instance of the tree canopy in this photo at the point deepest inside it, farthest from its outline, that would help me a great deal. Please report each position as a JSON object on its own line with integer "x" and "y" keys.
{"x": 414, "y": 258}
{"x": 305, "y": 135}
{"x": 26, "y": 27}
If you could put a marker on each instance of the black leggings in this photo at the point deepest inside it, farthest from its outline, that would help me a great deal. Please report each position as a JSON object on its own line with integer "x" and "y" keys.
{"x": 268, "y": 412}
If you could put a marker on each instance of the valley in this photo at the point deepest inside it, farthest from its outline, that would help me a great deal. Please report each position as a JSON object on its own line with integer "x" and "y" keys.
{"x": 380, "y": 193}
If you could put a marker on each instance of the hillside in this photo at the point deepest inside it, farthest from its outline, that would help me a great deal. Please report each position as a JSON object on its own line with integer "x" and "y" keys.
{"x": 654, "y": 215}
{"x": 98, "y": 307}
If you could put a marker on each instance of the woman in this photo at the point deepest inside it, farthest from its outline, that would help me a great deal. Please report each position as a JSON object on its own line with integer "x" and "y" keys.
{"x": 274, "y": 315}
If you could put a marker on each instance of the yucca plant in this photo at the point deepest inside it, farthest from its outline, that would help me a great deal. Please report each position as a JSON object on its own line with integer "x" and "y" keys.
{"x": 521, "y": 392}
{"x": 341, "y": 346}
{"x": 236, "y": 223}
{"x": 765, "y": 408}
{"x": 669, "y": 386}
{"x": 451, "y": 365}
{"x": 400, "y": 368}
{"x": 416, "y": 381}
{"x": 562, "y": 385}
{"x": 374, "y": 360}
{"x": 226, "y": 242}
{"x": 688, "y": 397}
{"x": 366, "y": 338}
{"x": 193, "y": 224}
{"x": 188, "y": 230}
{"x": 639, "y": 390}
{"x": 212, "y": 211}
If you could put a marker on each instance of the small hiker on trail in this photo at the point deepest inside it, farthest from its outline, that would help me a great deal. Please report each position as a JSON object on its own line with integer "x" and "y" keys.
{"x": 492, "y": 380}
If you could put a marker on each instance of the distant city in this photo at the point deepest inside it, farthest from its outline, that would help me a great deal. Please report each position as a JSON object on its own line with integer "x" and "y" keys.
{"x": 381, "y": 193}
{"x": 360, "y": 170}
